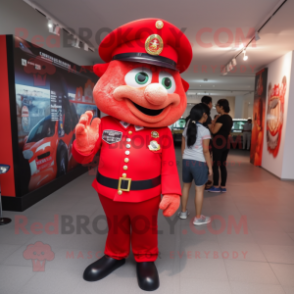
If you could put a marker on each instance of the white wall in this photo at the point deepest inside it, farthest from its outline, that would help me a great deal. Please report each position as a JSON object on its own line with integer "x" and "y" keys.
{"x": 239, "y": 101}
{"x": 276, "y": 70}
{"x": 248, "y": 101}
{"x": 288, "y": 160}
{"x": 17, "y": 14}
{"x": 244, "y": 106}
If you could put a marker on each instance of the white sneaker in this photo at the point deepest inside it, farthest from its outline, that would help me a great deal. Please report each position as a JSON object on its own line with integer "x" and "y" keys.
{"x": 183, "y": 215}
{"x": 203, "y": 220}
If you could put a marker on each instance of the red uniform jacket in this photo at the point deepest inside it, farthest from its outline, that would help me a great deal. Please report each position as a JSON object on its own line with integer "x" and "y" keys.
{"x": 125, "y": 150}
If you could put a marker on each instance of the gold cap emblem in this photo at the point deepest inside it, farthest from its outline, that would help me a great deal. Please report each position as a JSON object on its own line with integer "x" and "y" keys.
{"x": 159, "y": 24}
{"x": 154, "y": 44}
{"x": 154, "y": 134}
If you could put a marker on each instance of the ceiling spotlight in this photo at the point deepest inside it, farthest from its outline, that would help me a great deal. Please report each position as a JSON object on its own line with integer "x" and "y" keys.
{"x": 76, "y": 43}
{"x": 86, "y": 47}
{"x": 55, "y": 30}
{"x": 245, "y": 57}
{"x": 50, "y": 23}
{"x": 224, "y": 71}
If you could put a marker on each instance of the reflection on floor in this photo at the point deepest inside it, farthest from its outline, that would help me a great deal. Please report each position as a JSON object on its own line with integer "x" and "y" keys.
{"x": 249, "y": 247}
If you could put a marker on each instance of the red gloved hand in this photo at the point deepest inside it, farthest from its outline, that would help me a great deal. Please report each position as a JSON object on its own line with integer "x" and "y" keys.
{"x": 86, "y": 134}
{"x": 169, "y": 204}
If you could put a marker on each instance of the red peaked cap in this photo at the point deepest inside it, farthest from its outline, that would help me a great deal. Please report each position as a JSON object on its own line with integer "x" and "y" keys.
{"x": 152, "y": 41}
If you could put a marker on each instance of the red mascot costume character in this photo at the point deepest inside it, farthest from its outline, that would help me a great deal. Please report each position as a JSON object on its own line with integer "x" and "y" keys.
{"x": 142, "y": 92}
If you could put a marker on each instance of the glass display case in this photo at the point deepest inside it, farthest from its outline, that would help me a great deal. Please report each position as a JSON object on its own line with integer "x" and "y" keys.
{"x": 236, "y": 133}
{"x": 238, "y": 124}
{"x": 177, "y": 129}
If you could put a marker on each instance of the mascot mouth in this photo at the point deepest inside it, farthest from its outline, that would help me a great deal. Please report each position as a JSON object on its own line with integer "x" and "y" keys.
{"x": 146, "y": 115}
{"x": 147, "y": 111}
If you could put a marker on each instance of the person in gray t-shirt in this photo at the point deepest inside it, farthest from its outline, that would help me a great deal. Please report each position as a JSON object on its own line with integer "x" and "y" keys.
{"x": 196, "y": 161}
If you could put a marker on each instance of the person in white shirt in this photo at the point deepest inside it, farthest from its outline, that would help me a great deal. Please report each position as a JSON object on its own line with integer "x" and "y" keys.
{"x": 247, "y": 129}
{"x": 196, "y": 161}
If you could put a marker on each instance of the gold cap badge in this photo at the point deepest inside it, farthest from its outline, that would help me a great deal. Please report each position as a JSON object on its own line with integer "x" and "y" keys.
{"x": 159, "y": 24}
{"x": 154, "y": 134}
{"x": 154, "y": 44}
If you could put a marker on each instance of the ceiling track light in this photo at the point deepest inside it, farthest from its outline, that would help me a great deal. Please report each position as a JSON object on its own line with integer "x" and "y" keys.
{"x": 245, "y": 57}
{"x": 76, "y": 43}
{"x": 50, "y": 24}
{"x": 256, "y": 36}
{"x": 234, "y": 62}
{"x": 229, "y": 67}
{"x": 55, "y": 27}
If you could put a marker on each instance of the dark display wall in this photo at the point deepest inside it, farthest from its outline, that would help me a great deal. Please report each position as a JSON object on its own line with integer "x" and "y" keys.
{"x": 47, "y": 95}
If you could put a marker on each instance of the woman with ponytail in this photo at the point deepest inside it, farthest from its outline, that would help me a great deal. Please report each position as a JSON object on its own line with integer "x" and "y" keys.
{"x": 196, "y": 161}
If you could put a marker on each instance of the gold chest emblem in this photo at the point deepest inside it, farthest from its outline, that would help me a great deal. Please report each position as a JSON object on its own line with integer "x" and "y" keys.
{"x": 154, "y": 146}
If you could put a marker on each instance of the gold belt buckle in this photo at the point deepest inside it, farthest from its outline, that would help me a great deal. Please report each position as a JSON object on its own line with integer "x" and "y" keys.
{"x": 129, "y": 184}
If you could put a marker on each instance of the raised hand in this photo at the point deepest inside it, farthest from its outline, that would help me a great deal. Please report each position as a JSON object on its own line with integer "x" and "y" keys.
{"x": 87, "y": 133}
{"x": 169, "y": 204}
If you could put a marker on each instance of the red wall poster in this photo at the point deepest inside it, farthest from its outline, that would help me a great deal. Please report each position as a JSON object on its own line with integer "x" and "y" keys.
{"x": 258, "y": 117}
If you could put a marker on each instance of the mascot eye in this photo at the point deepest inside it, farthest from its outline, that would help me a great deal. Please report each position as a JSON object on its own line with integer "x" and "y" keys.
{"x": 138, "y": 77}
{"x": 168, "y": 82}
{"x": 141, "y": 78}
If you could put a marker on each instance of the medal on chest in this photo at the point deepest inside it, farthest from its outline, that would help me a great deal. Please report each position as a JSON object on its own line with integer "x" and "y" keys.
{"x": 154, "y": 146}
{"x": 111, "y": 136}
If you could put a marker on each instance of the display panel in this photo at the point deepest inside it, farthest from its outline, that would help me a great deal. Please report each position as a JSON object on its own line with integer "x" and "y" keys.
{"x": 51, "y": 94}
{"x": 238, "y": 124}
{"x": 179, "y": 124}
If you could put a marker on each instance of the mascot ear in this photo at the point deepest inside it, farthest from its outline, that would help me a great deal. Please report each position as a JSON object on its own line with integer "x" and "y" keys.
{"x": 185, "y": 85}
{"x": 100, "y": 69}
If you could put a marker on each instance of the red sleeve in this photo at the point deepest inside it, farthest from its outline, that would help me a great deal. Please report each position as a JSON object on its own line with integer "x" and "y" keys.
{"x": 170, "y": 182}
{"x": 85, "y": 158}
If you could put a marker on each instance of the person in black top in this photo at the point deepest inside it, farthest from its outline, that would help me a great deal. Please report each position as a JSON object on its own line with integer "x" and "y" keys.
{"x": 207, "y": 101}
{"x": 221, "y": 128}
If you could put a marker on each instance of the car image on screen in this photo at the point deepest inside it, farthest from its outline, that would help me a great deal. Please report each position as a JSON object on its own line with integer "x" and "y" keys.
{"x": 48, "y": 147}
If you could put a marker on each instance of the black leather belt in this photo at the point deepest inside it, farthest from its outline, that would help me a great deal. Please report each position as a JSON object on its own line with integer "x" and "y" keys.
{"x": 126, "y": 184}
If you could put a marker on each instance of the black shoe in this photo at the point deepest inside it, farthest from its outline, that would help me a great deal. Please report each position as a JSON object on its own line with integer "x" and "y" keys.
{"x": 102, "y": 268}
{"x": 147, "y": 275}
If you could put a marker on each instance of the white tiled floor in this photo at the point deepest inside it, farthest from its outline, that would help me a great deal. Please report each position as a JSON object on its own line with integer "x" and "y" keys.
{"x": 216, "y": 259}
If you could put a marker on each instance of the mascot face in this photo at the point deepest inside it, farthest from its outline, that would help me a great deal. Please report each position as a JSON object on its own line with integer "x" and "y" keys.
{"x": 141, "y": 94}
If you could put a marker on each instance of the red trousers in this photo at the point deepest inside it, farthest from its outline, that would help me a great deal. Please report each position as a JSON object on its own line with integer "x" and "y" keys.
{"x": 131, "y": 223}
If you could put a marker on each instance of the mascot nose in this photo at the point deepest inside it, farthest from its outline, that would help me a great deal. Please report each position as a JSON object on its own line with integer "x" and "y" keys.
{"x": 155, "y": 94}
